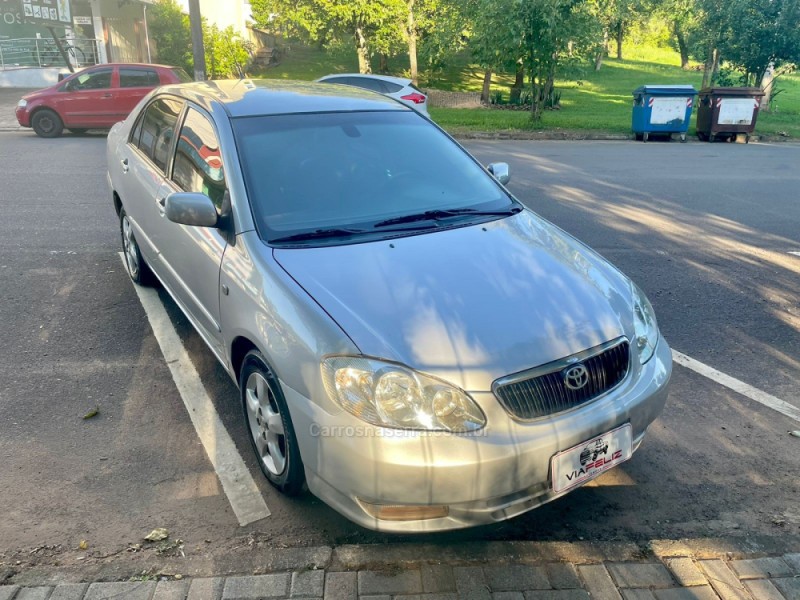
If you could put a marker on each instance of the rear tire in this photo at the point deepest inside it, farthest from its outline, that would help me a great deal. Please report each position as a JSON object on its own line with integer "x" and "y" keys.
{"x": 137, "y": 269}
{"x": 47, "y": 124}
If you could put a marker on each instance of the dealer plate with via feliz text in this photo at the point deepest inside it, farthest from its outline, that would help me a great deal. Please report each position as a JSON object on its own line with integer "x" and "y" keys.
{"x": 587, "y": 460}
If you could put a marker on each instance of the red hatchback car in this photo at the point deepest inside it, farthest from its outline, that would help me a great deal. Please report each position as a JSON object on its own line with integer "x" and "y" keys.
{"x": 93, "y": 98}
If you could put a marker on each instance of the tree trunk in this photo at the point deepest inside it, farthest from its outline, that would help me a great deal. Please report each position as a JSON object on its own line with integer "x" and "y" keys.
{"x": 519, "y": 81}
{"x": 620, "y": 35}
{"x": 602, "y": 52}
{"x": 766, "y": 86}
{"x": 708, "y": 65}
{"x": 536, "y": 96}
{"x": 487, "y": 83}
{"x": 412, "y": 43}
{"x": 383, "y": 65}
{"x": 683, "y": 47}
{"x": 715, "y": 67}
{"x": 363, "y": 52}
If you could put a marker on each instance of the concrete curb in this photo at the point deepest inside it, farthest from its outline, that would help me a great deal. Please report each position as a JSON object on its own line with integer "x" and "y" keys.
{"x": 656, "y": 578}
{"x": 581, "y": 136}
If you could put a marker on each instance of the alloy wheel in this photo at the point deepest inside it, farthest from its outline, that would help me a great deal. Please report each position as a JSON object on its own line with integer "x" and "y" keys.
{"x": 266, "y": 423}
{"x": 129, "y": 247}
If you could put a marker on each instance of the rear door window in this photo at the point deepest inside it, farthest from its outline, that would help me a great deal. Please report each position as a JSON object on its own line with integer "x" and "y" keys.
{"x": 129, "y": 78}
{"x": 154, "y": 133}
{"x": 390, "y": 87}
{"x": 198, "y": 161}
{"x": 182, "y": 75}
{"x": 367, "y": 83}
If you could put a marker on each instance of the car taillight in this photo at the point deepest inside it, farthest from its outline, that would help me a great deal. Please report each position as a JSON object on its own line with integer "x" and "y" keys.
{"x": 415, "y": 98}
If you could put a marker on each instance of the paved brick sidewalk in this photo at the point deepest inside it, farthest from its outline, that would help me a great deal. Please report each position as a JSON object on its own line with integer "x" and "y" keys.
{"x": 673, "y": 578}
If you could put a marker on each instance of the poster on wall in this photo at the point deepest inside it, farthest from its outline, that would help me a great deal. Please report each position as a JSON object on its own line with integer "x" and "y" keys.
{"x": 47, "y": 12}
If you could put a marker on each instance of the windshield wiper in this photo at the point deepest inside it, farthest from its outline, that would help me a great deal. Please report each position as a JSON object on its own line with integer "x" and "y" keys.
{"x": 317, "y": 234}
{"x": 445, "y": 213}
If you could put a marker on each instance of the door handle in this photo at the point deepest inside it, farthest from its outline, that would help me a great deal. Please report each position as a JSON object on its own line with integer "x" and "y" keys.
{"x": 124, "y": 163}
{"x": 106, "y": 95}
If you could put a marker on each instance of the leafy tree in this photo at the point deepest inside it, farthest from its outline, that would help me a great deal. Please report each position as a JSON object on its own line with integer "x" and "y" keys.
{"x": 615, "y": 18}
{"x": 683, "y": 17}
{"x": 226, "y": 52}
{"x": 170, "y": 31}
{"x": 438, "y": 29}
{"x": 372, "y": 26}
{"x": 758, "y": 34}
{"x": 538, "y": 35}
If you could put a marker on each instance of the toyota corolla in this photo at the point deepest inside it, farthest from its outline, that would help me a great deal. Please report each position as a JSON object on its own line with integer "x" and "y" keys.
{"x": 410, "y": 343}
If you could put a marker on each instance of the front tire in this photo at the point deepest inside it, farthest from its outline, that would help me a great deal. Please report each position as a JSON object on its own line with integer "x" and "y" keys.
{"x": 47, "y": 124}
{"x": 268, "y": 421}
{"x": 137, "y": 269}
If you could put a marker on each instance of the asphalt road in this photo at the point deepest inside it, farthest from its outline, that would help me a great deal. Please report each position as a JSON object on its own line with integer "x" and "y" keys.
{"x": 705, "y": 230}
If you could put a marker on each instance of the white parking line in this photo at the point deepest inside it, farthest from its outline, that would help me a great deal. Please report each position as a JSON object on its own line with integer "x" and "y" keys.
{"x": 246, "y": 500}
{"x": 795, "y": 253}
{"x": 740, "y": 387}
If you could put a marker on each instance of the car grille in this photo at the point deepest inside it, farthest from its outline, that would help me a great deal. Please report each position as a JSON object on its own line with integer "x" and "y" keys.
{"x": 543, "y": 391}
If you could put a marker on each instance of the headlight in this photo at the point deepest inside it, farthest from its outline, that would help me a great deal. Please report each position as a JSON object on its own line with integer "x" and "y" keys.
{"x": 391, "y": 395}
{"x": 645, "y": 326}
{"x": 22, "y": 103}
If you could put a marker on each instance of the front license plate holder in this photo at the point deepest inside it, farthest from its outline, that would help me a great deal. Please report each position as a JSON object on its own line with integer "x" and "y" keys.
{"x": 587, "y": 460}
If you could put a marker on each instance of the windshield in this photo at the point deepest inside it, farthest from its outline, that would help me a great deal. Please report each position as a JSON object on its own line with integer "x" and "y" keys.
{"x": 355, "y": 171}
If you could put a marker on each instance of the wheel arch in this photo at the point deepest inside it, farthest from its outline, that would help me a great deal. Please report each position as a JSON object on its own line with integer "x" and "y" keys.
{"x": 117, "y": 201}
{"x": 240, "y": 346}
{"x": 42, "y": 107}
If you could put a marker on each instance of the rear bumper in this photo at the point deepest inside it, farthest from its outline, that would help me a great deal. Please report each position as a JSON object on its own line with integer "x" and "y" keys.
{"x": 498, "y": 473}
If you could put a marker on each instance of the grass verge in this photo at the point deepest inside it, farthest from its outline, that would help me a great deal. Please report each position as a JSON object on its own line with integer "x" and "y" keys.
{"x": 592, "y": 101}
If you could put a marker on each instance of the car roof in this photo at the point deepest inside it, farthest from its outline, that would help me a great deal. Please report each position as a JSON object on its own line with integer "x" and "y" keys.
{"x": 397, "y": 80}
{"x": 252, "y": 97}
{"x": 143, "y": 65}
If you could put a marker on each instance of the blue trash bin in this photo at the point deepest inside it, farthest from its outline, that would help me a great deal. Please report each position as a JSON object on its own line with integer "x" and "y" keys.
{"x": 662, "y": 109}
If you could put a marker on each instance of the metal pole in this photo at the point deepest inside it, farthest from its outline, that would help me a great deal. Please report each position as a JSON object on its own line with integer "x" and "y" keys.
{"x": 147, "y": 35}
{"x": 198, "y": 51}
{"x": 61, "y": 50}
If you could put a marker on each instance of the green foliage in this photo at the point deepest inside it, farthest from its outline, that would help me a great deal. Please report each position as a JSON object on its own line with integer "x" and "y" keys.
{"x": 371, "y": 26}
{"x": 170, "y": 31}
{"x": 443, "y": 27}
{"x": 227, "y": 54}
{"x": 757, "y": 33}
{"x": 540, "y": 35}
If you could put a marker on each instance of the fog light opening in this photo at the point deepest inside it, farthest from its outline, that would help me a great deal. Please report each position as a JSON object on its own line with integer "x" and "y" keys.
{"x": 400, "y": 512}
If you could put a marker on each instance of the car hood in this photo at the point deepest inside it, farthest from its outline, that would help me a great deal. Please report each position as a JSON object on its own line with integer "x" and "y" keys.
{"x": 469, "y": 304}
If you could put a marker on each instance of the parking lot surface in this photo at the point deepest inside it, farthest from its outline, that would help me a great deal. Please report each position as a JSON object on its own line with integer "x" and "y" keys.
{"x": 706, "y": 230}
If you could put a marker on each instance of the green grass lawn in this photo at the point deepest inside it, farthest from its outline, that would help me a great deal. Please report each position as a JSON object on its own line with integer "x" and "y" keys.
{"x": 591, "y": 101}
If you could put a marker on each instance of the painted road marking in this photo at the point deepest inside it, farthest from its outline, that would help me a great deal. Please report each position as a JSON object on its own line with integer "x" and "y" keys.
{"x": 795, "y": 253}
{"x": 246, "y": 500}
{"x": 740, "y": 387}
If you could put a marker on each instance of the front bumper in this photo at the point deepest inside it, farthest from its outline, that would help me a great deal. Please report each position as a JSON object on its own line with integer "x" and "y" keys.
{"x": 492, "y": 475}
{"x": 23, "y": 116}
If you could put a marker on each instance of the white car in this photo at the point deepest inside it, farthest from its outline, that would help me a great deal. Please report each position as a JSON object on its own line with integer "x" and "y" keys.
{"x": 398, "y": 88}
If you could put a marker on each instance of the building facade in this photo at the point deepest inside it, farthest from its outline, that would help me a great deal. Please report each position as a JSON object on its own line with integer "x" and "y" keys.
{"x": 118, "y": 26}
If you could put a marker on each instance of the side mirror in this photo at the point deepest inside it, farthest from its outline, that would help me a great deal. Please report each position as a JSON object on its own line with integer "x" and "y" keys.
{"x": 500, "y": 172}
{"x": 190, "y": 208}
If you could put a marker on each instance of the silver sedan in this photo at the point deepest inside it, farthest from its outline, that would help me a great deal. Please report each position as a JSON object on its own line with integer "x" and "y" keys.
{"x": 410, "y": 343}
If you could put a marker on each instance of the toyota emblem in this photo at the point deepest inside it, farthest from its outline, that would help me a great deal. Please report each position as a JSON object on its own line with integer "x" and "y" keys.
{"x": 576, "y": 377}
